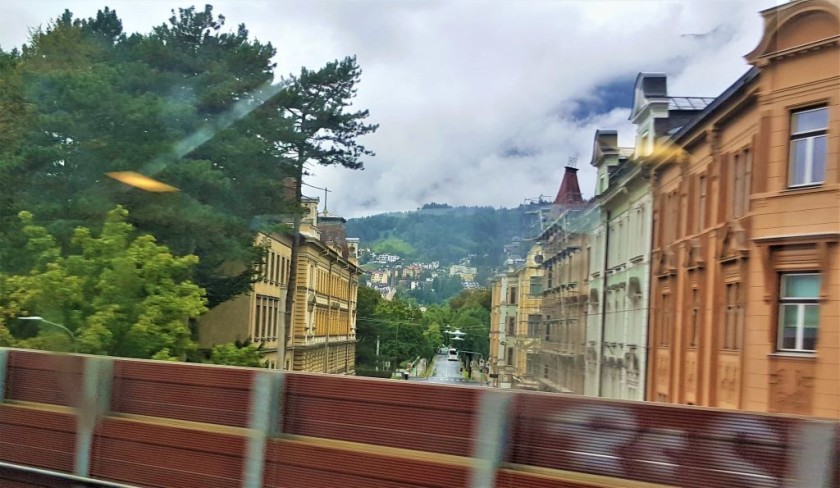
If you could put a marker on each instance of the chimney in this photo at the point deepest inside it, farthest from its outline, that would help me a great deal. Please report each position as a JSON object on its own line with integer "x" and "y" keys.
{"x": 333, "y": 233}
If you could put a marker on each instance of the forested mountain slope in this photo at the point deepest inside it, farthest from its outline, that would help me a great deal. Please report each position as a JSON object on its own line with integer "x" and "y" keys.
{"x": 438, "y": 232}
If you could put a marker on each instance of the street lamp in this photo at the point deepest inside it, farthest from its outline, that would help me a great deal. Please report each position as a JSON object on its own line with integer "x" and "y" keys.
{"x": 459, "y": 336}
{"x": 59, "y": 326}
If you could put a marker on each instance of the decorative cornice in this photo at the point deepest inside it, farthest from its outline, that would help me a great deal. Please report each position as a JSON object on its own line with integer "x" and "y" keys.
{"x": 775, "y": 19}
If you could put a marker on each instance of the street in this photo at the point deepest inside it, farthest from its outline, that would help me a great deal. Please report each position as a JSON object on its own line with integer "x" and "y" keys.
{"x": 446, "y": 372}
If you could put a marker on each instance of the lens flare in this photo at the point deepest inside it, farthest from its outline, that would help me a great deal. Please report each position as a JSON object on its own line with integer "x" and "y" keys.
{"x": 141, "y": 182}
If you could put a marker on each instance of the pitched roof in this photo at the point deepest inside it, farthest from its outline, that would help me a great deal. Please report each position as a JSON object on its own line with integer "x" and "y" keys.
{"x": 569, "y": 192}
{"x": 689, "y": 103}
{"x": 745, "y": 80}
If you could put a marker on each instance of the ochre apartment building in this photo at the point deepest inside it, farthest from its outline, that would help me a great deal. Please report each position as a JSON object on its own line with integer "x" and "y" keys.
{"x": 745, "y": 282}
{"x": 502, "y": 327}
{"x": 322, "y": 337}
{"x": 522, "y": 345}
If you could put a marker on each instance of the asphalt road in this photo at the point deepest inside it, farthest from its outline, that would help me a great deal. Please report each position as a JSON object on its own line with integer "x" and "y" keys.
{"x": 446, "y": 372}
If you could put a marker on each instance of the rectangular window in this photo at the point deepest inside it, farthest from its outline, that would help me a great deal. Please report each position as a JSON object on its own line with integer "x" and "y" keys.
{"x": 799, "y": 311}
{"x": 511, "y": 326}
{"x": 665, "y": 314}
{"x": 746, "y": 177}
{"x": 740, "y": 183}
{"x": 275, "y": 305}
{"x": 283, "y": 269}
{"x": 736, "y": 185}
{"x": 534, "y": 325}
{"x": 264, "y": 268}
{"x": 510, "y": 356}
{"x": 258, "y": 319}
{"x": 695, "y": 318}
{"x": 532, "y": 364}
{"x": 670, "y": 220}
{"x": 808, "y": 139}
{"x": 733, "y": 316}
{"x": 701, "y": 204}
{"x": 537, "y": 285}
{"x": 513, "y": 293}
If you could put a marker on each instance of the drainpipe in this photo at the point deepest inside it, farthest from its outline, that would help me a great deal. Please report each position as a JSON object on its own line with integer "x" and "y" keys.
{"x": 604, "y": 304}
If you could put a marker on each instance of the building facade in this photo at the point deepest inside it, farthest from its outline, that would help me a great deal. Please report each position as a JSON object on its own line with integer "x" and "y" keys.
{"x": 322, "y": 336}
{"x": 562, "y": 329}
{"x": 618, "y": 272}
{"x": 522, "y": 355}
{"x": 502, "y": 328}
{"x": 255, "y": 317}
{"x": 745, "y": 284}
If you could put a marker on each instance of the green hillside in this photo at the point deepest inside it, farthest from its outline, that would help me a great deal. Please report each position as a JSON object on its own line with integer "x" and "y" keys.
{"x": 438, "y": 232}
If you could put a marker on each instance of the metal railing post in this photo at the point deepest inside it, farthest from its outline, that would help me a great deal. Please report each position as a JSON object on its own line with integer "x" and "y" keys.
{"x": 95, "y": 402}
{"x": 264, "y": 423}
{"x": 814, "y": 455}
{"x": 4, "y": 362}
{"x": 490, "y": 438}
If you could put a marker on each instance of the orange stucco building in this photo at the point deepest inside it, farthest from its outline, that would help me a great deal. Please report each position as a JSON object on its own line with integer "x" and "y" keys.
{"x": 745, "y": 285}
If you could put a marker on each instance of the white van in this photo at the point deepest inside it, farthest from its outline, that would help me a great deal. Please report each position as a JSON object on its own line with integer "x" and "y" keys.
{"x": 453, "y": 354}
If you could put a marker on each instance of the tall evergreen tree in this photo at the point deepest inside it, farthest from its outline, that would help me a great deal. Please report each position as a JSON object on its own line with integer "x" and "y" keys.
{"x": 321, "y": 128}
{"x": 176, "y": 104}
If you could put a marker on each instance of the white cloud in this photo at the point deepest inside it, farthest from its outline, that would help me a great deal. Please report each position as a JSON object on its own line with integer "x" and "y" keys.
{"x": 455, "y": 84}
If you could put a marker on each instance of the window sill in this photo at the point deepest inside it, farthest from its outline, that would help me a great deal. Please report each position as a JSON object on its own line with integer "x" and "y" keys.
{"x": 804, "y": 356}
{"x": 804, "y": 189}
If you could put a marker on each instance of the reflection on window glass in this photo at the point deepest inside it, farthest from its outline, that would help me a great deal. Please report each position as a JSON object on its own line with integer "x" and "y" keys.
{"x": 808, "y": 147}
{"x": 799, "y": 312}
{"x": 810, "y": 120}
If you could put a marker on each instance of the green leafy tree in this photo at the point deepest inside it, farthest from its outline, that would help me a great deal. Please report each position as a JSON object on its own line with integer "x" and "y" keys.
{"x": 368, "y": 328}
{"x": 118, "y": 293}
{"x": 231, "y": 354}
{"x": 403, "y": 333}
{"x": 83, "y": 99}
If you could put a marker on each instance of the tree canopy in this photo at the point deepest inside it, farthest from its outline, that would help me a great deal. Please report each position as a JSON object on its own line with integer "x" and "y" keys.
{"x": 231, "y": 354}
{"x": 405, "y": 332}
{"x": 117, "y": 293}
{"x": 180, "y": 104}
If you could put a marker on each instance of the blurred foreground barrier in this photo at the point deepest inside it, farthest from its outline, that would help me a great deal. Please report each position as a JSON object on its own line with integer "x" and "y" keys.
{"x": 74, "y": 420}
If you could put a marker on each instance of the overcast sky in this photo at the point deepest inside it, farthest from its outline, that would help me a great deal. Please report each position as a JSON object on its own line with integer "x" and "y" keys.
{"x": 479, "y": 102}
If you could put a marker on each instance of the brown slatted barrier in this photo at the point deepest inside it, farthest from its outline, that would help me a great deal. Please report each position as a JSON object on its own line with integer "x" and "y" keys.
{"x": 17, "y": 479}
{"x": 43, "y": 377}
{"x": 181, "y": 425}
{"x": 298, "y": 464}
{"x": 167, "y": 455}
{"x": 381, "y": 412}
{"x": 37, "y": 437}
{"x": 198, "y": 393}
{"x": 653, "y": 443}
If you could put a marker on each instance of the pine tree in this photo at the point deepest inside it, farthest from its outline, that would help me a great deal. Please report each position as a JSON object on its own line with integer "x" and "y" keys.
{"x": 320, "y": 128}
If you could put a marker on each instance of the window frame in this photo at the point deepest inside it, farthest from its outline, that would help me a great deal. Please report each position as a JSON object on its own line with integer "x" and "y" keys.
{"x": 733, "y": 316}
{"x": 809, "y": 136}
{"x": 800, "y": 302}
{"x": 700, "y": 211}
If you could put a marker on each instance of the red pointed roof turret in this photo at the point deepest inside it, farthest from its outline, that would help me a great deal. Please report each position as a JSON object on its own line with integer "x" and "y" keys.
{"x": 569, "y": 193}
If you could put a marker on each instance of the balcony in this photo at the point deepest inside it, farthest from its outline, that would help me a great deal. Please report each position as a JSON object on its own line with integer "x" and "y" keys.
{"x": 528, "y": 344}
